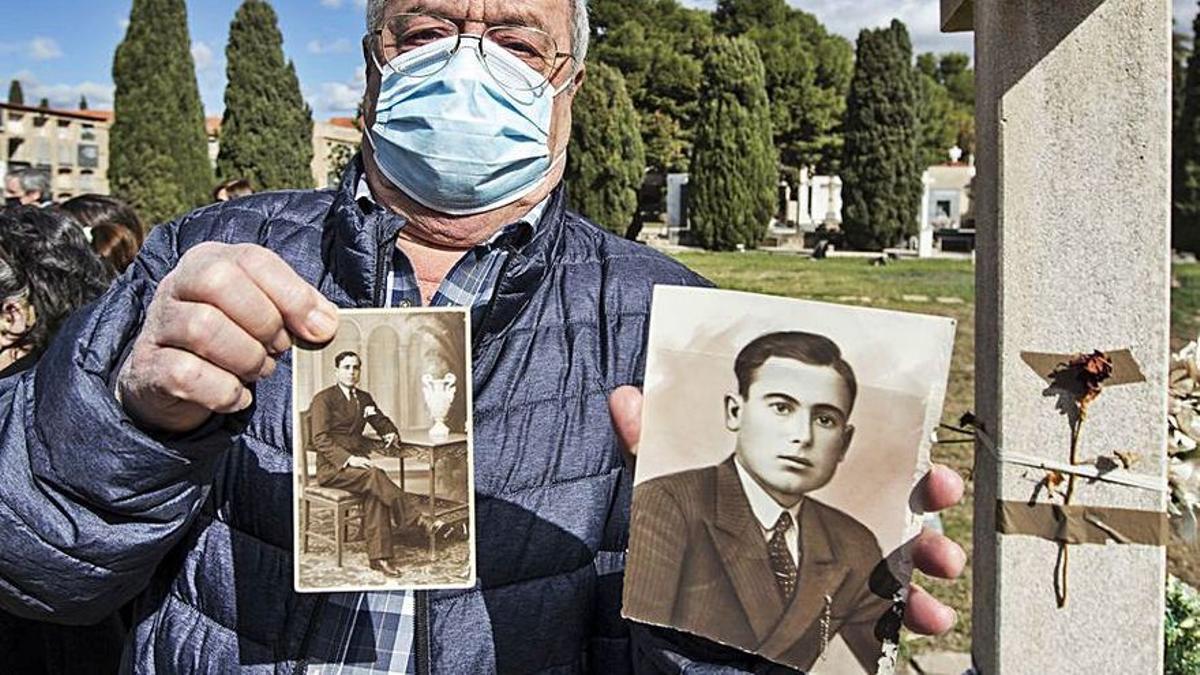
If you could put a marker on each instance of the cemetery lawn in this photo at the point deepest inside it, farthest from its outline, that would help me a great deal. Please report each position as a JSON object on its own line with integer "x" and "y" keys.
{"x": 941, "y": 287}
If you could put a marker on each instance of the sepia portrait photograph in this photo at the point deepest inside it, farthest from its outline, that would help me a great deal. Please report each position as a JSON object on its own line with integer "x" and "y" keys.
{"x": 781, "y": 441}
{"x": 382, "y": 447}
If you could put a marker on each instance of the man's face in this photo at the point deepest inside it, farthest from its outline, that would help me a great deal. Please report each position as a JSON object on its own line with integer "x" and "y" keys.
{"x": 792, "y": 427}
{"x": 474, "y": 17}
{"x": 12, "y": 190}
{"x": 348, "y": 371}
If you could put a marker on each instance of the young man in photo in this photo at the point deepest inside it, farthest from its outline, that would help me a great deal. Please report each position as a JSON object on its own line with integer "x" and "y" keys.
{"x": 738, "y": 552}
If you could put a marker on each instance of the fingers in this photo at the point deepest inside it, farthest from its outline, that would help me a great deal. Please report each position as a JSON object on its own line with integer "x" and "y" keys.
{"x": 938, "y": 556}
{"x": 940, "y": 489}
{"x": 208, "y": 333}
{"x": 256, "y": 289}
{"x": 212, "y": 329}
{"x": 925, "y": 615}
{"x": 625, "y": 407}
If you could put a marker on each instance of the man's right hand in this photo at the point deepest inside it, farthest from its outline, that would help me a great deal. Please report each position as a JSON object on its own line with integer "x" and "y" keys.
{"x": 215, "y": 326}
{"x": 356, "y": 462}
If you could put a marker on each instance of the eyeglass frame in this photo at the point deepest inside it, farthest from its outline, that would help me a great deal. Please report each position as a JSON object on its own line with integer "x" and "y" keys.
{"x": 377, "y": 48}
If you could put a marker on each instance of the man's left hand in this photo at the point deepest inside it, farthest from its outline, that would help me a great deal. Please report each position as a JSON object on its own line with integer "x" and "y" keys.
{"x": 933, "y": 553}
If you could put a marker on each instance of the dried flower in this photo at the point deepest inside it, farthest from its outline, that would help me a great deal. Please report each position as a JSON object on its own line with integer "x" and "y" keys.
{"x": 1092, "y": 370}
{"x": 1183, "y": 441}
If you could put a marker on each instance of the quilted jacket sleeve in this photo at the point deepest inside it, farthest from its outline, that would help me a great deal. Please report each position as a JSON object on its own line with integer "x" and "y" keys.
{"x": 89, "y": 504}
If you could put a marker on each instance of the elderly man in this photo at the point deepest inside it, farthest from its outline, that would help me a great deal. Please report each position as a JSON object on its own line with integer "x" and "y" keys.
{"x": 24, "y": 187}
{"x": 148, "y": 455}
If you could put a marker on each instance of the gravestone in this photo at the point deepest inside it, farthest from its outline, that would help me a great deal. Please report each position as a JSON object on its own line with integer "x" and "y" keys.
{"x": 1072, "y": 98}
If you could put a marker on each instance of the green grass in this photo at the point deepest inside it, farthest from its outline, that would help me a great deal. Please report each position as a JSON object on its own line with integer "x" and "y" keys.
{"x": 855, "y": 281}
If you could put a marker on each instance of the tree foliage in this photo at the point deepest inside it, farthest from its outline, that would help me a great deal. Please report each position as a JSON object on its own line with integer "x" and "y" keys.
{"x": 881, "y": 178}
{"x": 945, "y": 106}
{"x": 1185, "y": 174}
{"x": 734, "y": 174}
{"x": 158, "y": 148}
{"x": 658, "y": 46}
{"x": 266, "y": 133}
{"x": 16, "y": 95}
{"x": 607, "y": 161}
{"x": 808, "y": 73}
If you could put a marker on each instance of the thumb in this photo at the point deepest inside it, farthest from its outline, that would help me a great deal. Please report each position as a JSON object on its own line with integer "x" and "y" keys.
{"x": 625, "y": 407}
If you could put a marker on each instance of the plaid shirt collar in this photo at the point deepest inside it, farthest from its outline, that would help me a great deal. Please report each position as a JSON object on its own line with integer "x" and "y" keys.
{"x": 472, "y": 280}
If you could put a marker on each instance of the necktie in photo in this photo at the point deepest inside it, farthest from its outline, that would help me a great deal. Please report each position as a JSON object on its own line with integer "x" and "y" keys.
{"x": 782, "y": 563}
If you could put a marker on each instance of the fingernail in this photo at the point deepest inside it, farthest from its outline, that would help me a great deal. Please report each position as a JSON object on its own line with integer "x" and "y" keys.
{"x": 280, "y": 343}
{"x": 322, "y": 321}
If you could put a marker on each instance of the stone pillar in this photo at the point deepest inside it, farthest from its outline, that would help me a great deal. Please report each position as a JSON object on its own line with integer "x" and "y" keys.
{"x": 805, "y": 216}
{"x": 925, "y": 238}
{"x": 1073, "y": 97}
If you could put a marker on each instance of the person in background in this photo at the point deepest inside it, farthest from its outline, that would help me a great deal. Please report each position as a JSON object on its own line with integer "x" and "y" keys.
{"x": 47, "y": 270}
{"x": 232, "y": 189}
{"x": 112, "y": 226}
{"x": 27, "y": 187}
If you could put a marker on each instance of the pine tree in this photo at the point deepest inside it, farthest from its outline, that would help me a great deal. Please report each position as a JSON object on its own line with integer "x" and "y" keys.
{"x": 83, "y": 104}
{"x": 1185, "y": 173}
{"x": 44, "y": 104}
{"x": 159, "y": 151}
{"x": 266, "y": 134}
{"x": 881, "y": 179}
{"x": 16, "y": 95}
{"x": 606, "y": 162}
{"x": 735, "y": 168}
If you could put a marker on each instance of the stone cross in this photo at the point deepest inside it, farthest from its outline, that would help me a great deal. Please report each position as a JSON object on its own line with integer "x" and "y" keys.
{"x": 1073, "y": 97}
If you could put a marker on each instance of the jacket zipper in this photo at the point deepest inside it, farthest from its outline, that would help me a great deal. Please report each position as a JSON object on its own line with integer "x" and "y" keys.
{"x": 477, "y": 330}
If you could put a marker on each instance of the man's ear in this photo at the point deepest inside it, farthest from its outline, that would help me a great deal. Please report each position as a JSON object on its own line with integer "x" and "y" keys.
{"x": 733, "y": 411}
{"x": 13, "y": 320}
{"x": 579, "y": 79}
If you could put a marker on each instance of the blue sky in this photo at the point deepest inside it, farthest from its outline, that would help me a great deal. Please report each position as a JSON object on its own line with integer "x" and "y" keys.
{"x": 64, "y": 48}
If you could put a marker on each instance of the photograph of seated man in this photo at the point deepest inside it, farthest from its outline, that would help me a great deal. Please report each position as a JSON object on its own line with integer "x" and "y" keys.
{"x": 737, "y": 552}
{"x": 339, "y": 415}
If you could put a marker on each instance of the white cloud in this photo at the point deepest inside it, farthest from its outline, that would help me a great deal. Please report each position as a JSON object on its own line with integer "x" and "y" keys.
{"x": 64, "y": 95}
{"x": 38, "y": 49}
{"x": 123, "y": 23}
{"x": 338, "y": 46}
{"x": 202, "y": 54}
{"x": 331, "y": 99}
{"x": 848, "y": 17}
{"x": 44, "y": 49}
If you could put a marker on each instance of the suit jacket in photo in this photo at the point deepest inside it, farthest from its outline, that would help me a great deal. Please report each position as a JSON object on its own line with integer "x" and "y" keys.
{"x": 337, "y": 428}
{"x": 698, "y": 562}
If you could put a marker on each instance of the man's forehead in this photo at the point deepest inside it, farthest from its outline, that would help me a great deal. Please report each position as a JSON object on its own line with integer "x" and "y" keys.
{"x": 548, "y": 15}
{"x": 812, "y": 384}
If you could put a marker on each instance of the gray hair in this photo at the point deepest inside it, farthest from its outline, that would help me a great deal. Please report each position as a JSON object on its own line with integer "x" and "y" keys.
{"x": 32, "y": 180}
{"x": 580, "y": 26}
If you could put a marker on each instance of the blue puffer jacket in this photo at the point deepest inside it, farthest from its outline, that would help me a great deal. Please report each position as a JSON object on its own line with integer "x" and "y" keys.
{"x": 198, "y": 527}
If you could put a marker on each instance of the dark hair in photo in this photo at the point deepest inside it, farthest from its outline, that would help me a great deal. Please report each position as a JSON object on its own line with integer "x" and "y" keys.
{"x": 337, "y": 360}
{"x": 810, "y": 348}
{"x": 44, "y": 253}
{"x": 117, "y": 232}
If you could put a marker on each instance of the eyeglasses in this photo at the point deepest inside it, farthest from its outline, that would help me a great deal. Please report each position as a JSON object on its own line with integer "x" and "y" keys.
{"x": 404, "y": 33}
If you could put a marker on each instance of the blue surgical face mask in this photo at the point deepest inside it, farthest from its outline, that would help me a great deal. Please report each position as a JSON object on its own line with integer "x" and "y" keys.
{"x": 458, "y": 141}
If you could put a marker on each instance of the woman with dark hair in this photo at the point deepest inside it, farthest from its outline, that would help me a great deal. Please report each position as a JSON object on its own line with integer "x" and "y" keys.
{"x": 112, "y": 226}
{"x": 47, "y": 271}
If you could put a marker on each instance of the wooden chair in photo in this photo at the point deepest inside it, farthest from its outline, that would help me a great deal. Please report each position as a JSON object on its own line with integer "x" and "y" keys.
{"x": 346, "y": 506}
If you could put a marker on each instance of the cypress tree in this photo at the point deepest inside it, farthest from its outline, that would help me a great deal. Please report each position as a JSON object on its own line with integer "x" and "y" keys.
{"x": 16, "y": 95}
{"x": 607, "y": 160}
{"x": 881, "y": 179}
{"x": 159, "y": 161}
{"x": 735, "y": 166}
{"x": 1185, "y": 170}
{"x": 44, "y": 104}
{"x": 83, "y": 104}
{"x": 266, "y": 134}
